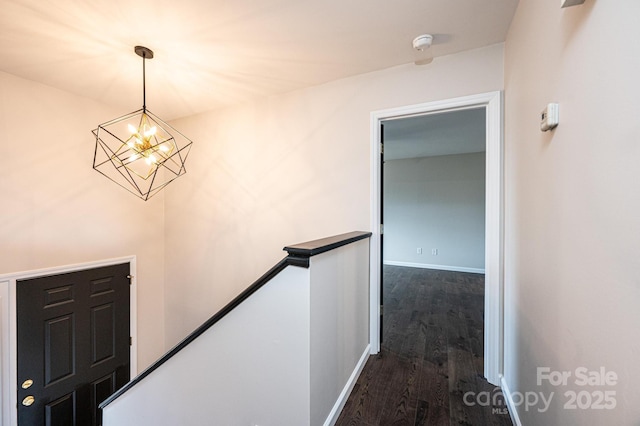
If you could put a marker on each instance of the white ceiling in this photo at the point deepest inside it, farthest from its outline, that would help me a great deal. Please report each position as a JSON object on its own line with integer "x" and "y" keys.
{"x": 211, "y": 53}
{"x": 447, "y": 133}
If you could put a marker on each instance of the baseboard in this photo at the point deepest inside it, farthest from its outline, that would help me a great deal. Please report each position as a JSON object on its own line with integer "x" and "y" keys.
{"x": 509, "y": 400}
{"x": 439, "y": 267}
{"x": 344, "y": 395}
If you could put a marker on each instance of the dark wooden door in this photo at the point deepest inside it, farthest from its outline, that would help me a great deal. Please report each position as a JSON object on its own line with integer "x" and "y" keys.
{"x": 73, "y": 345}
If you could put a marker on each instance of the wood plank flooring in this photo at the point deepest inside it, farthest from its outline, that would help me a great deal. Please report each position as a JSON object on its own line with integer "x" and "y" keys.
{"x": 432, "y": 355}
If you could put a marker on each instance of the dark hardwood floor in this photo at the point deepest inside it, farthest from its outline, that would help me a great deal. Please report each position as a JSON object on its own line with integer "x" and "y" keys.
{"x": 432, "y": 356}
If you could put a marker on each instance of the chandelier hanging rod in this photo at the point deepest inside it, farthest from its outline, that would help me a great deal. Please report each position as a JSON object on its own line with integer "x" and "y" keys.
{"x": 144, "y": 53}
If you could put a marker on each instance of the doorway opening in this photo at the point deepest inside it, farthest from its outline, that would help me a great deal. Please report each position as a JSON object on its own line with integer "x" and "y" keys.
{"x": 489, "y": 107}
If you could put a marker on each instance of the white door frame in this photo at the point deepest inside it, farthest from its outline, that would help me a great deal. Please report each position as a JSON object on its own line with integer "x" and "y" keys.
{"x": 8, "y": 329}
{"x": 493, "y": 300}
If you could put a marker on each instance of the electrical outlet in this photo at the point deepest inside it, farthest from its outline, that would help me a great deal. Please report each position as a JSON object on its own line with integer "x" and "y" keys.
{"x": 434, "y": 252}
{"x": 419, "y": 250}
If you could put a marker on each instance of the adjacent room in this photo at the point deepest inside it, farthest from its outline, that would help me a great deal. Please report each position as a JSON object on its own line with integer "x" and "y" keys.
{"x": 433, "y": 276}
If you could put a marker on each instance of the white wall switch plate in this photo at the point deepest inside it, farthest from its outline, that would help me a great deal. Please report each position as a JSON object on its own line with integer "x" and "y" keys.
{"x": 549, "y": 117}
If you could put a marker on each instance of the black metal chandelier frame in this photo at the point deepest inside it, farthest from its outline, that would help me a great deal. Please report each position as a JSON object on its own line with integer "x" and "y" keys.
{"x": 142, "y": 158}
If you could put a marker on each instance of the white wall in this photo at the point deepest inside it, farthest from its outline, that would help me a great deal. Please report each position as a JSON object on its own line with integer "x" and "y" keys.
{"x": 572, "y": 202}
{"x": 435, "y": 203}
{"x": 56, "y": 210}
{"x": 251, "y": 368}
{"x": 339, "y": 301}
{"x": 284, "y": 169}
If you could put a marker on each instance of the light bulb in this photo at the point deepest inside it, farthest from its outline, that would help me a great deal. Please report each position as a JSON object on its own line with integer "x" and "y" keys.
{"x": 132, "y": 129}
{"x": 133, "y": 158}
{"x": 150, "y": 132}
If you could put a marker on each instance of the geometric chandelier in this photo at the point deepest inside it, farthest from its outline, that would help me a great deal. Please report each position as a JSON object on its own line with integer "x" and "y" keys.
{"x": 139, "y": 151}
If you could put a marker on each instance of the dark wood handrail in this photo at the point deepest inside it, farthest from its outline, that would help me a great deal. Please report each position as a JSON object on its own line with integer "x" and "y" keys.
{"x": 312, "y": 248}
{"x": 299, "y": 255}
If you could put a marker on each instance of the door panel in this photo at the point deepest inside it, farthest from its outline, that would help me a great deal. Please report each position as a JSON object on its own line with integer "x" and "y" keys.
{"x": 73, "y": 343}
{"x": 61, "y": 411}
{"x": 58, "y": 348}
{"x": 102, "y": 333}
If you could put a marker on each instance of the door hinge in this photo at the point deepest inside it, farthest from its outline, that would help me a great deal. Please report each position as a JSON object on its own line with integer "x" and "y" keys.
{"x": 381, "y": 310}
{"x": 130, "y": 279}
{"x": 382, "y": 148}
{"x": 381, "y": 229}
{"x": 130, "y": 341}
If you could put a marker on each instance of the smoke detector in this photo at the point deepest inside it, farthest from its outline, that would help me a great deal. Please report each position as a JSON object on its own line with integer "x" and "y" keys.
{"x": 422, "y": 42}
